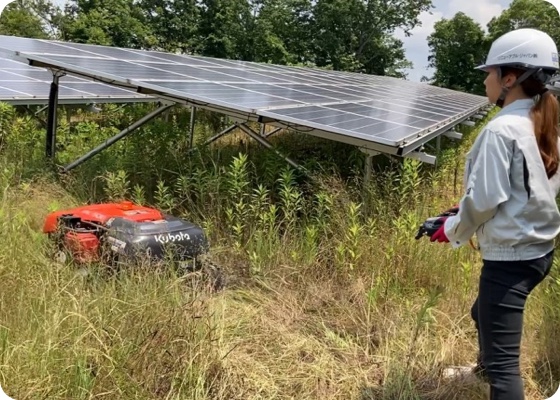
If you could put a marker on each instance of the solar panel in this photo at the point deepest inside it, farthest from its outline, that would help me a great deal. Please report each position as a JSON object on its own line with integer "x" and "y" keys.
{"x": 375, "y": 112}
{"x": 21, "y": 83}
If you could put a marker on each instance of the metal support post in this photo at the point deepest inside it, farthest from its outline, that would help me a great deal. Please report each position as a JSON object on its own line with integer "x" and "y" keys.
{"x": 266, "y": 144}
{"x": 119, "y": 136}
{"x": 191, "y": 131}
{"x": 215, "y": 137}
{"x": 421, "y": 156}
{"x": 368, "y": 173}
{"x": 35, "y": 116}
{"x": 269, "y": 134}
{"x": 50, "y": 140}
{"x": 41, "y": 110}
{"x": 453, "y": 135}
{"x": 368, "y": 168}
{"x": 263, "y": 130}
{"x": 69, "y": 112}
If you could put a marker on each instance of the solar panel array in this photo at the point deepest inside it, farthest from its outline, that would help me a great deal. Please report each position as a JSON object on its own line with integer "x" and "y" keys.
{"x": 21, "y": 83}
{"x": 355, "y": 108}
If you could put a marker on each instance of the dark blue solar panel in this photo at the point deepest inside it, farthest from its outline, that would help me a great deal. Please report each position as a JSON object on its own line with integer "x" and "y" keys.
{"x": 25, "y": 84}
{"x": 359, "y": 106}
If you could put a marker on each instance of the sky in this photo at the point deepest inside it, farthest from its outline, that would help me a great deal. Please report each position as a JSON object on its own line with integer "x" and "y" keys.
{"x": 416, "y": 46}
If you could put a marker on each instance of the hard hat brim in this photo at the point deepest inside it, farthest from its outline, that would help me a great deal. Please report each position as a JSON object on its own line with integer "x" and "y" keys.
{"x": 547, "y": 69}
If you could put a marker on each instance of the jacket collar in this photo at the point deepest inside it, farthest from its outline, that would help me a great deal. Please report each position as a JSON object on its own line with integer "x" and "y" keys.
{"x": 522, "y": 104}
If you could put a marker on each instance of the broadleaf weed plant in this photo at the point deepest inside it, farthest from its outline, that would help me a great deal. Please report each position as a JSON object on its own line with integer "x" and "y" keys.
{"x": 116, "y": 185}
{"x": 238, "y": 210}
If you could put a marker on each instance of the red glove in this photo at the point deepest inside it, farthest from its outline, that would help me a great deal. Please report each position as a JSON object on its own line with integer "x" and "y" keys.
{"x": 439, "y": 235}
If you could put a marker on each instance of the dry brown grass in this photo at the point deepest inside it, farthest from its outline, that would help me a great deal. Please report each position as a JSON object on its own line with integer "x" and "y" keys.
{"x": 312, "y": 329}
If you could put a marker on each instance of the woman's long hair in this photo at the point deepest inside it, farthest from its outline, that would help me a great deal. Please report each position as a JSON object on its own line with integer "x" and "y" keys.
{"x": 545, "y": 115}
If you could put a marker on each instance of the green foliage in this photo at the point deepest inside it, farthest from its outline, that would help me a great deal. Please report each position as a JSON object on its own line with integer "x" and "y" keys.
{"x": 164, "y": 198}
{"x": 355, "y": 35}
{"x": 116, "y": 186}
{"x": 351, "y": 35}
{"x": 138, "y": 195}
{"x": 322, "y": 204}
{"x": 283, "y": 32}
{"x": 226, "y": 29}
{"x": 106, "y": 22}
{"x": 174, "y": 24}
{"x": 325, "y": 236}
{"x": 330, "y": 276}
{"x": 457, "y": 46}
{"x": 28, "y": 18}
{"x": 538, "y": 14}
{"x": 6, "y": 119}
{"x": 290, "y": 198}
{"x": 349, "y": 249}
{"x": 239, "y": 193}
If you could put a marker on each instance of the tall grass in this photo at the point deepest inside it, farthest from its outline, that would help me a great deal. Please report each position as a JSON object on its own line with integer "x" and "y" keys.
{"x": 329, "y": 296}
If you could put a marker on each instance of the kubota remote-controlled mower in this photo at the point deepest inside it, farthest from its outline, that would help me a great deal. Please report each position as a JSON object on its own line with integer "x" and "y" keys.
{"x": 126, "y": 232}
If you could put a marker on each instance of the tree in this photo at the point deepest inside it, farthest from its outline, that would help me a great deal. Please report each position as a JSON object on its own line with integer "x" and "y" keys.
{"x": 107, "y": 22}
{"x": 174, "y": 23}
{"x": 282, "y": 31}
{"x": 356, "y": 35}
{"x": 350, "y": 35}
{"x": 30, "y": 18}
{"x": 457, "y": 46}
{"x": 226, "y": 29}
{"x": 537, "y": 14}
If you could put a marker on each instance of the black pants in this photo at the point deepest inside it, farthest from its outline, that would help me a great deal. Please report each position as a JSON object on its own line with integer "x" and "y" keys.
{"x": 498, "y": 316}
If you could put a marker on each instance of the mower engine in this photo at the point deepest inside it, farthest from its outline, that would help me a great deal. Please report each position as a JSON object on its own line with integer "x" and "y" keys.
{"x": 124, "y": 231}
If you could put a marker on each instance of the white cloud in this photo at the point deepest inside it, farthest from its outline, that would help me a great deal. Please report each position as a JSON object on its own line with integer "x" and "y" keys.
{"x": 416, "y": 46}
{"x": 482, "y": 11}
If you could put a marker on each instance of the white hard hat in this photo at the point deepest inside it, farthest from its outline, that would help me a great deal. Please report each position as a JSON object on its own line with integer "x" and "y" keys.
{"x": 528, "y": 49}
{"x": 524, "y": 48}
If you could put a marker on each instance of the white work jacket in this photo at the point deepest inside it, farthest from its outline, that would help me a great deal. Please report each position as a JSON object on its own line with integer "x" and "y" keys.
{"x": 509, "y": 202}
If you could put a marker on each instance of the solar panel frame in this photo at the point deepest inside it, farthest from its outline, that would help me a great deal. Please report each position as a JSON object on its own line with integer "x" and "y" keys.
{"x": 22, "y": 84}
{"x": 417, "y": 111}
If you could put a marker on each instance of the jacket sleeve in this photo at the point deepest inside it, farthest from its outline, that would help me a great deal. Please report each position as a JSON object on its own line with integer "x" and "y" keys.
{"x": 487, "y": 185}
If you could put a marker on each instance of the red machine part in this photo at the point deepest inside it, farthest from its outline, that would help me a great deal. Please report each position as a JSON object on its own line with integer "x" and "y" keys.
{"x": 101, "y": 213}
{"x": 84, "y": 246}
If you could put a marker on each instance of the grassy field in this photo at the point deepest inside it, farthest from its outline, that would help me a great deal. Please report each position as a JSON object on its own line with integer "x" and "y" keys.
{"x": 328, "y": 297}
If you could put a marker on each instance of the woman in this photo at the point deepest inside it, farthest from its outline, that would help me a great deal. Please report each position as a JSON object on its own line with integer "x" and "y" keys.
{"x": 511, "y": 182}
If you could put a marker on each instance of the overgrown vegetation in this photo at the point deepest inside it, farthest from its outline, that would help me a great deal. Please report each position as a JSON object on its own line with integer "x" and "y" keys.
{"x": 329, "y": 295}
{"x": 350, "y": 35}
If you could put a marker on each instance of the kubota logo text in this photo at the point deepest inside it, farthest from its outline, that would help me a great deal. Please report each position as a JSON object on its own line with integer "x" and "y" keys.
{"x": 172, "y": 238}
